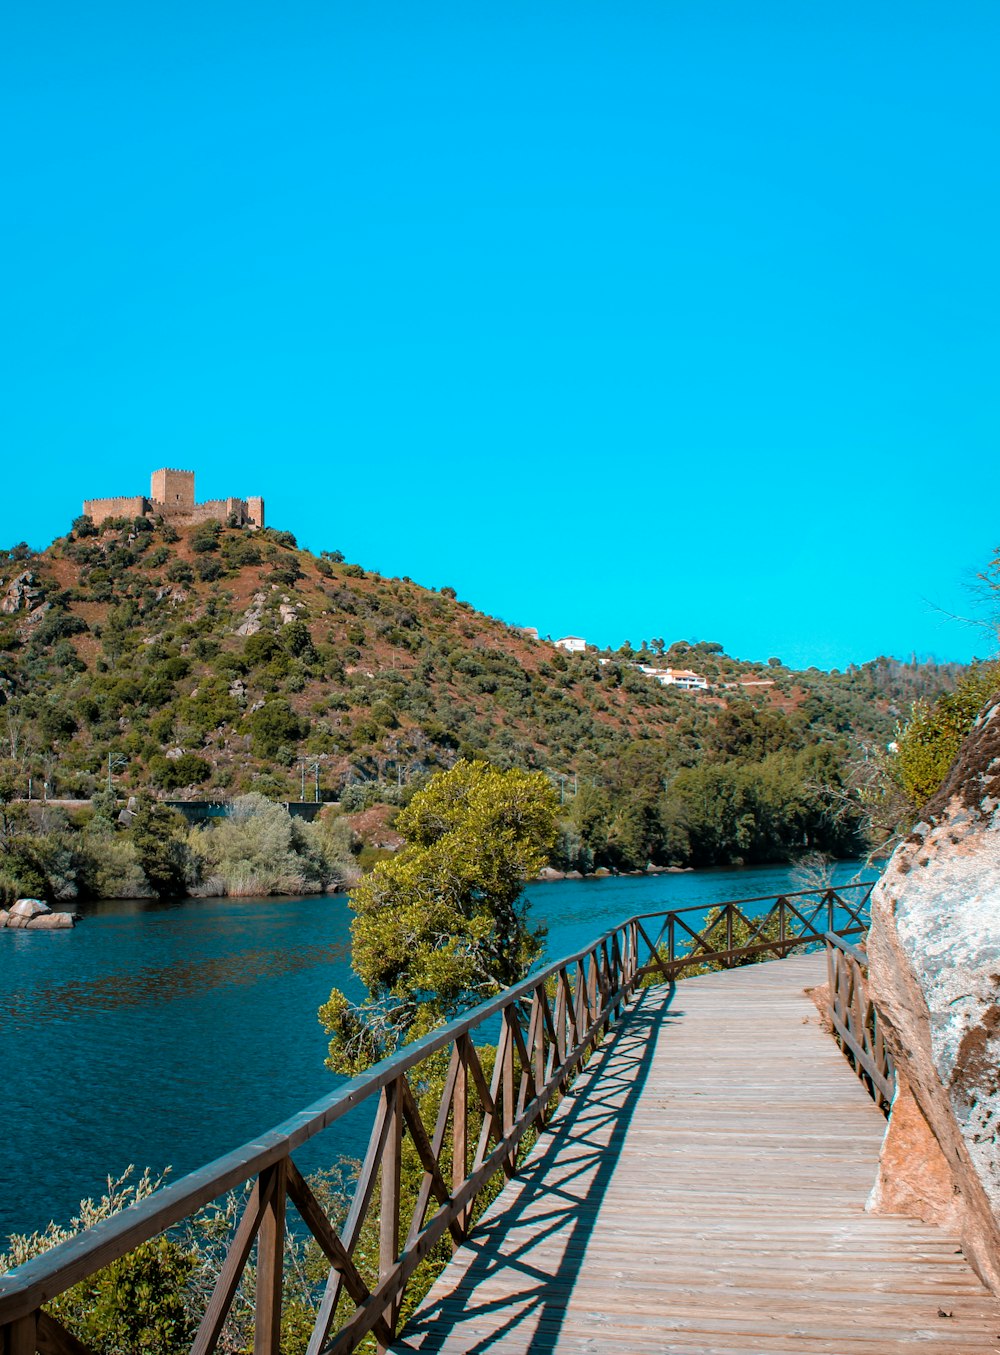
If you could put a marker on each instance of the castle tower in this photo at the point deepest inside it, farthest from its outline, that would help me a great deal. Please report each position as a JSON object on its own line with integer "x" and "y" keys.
{"x": 173, "y": 489}
{"x": 255, "y": 511}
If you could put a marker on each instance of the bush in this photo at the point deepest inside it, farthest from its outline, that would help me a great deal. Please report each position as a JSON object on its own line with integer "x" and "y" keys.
{"x": 260, "y": 849}
{"x": 209, "y": 570}
{"x": 138, "y": 1302}
{"x": 205, "y": 537}
{"x": 260, "y": 648}
{"x": 273, "y": 725}
{"x": 928, "y": 745}
{"x": 172, "y": 773}
{"x": 179, "y": 571}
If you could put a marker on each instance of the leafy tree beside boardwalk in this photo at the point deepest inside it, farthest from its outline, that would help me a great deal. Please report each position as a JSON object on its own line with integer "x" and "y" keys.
{"x": 442, "y": 925}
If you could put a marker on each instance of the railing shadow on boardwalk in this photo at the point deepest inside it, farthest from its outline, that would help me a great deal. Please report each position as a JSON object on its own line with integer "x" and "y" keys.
{"x": 555, "y": 1197}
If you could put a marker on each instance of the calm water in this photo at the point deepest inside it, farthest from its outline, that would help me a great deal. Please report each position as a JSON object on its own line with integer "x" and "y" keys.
{"x": 167, "y": 1033}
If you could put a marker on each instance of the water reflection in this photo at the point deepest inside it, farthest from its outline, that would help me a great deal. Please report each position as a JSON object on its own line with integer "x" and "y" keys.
{"x": 168, "y": 983}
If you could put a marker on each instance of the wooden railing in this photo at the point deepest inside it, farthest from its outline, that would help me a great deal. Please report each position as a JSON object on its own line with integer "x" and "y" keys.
{"x": 739, "y": 932}
{"x": 855, "y": 1020}
{"x": 538, "y": 1034}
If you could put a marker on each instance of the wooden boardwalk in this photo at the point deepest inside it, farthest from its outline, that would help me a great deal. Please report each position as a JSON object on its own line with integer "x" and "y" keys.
{"x": 703, "y": 1194}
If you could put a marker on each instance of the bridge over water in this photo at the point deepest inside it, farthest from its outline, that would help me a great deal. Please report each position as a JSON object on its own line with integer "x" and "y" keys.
{"x": 703, "y": 1151}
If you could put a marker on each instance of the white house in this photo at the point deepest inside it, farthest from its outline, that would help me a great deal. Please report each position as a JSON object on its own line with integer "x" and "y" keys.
{"x": 680, "y": 677}
{"x": 575, "y": 644}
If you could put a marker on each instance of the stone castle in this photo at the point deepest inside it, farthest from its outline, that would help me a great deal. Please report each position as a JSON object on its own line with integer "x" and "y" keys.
{"x": 171, "y": 495}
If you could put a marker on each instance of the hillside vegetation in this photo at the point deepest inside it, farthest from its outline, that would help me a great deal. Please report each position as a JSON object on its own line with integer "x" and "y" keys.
{"x": 218, "y": 661}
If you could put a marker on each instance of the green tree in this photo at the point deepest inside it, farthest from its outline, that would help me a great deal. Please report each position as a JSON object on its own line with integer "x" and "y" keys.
{"x": 273, "y": 725}
{"x": 442, "y": 925}
{"x": 928, "y": 744}
{"x": 157, "y": 836}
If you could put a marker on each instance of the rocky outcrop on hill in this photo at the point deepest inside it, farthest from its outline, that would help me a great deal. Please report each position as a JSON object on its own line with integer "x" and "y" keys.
{"x": 20, "y": 594}
{"x": 34, "y": 915}
{"x": 934, "y": 965}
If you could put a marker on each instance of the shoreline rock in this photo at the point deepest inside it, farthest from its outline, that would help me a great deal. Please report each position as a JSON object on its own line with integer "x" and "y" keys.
{"x": 36, "y": 916}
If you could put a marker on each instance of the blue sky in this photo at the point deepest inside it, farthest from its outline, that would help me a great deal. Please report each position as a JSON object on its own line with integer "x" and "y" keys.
{"x": 625, "y": 319}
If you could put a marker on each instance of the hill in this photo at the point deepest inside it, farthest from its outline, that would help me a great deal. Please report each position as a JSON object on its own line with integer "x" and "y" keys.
{"x": 217, "y": 660}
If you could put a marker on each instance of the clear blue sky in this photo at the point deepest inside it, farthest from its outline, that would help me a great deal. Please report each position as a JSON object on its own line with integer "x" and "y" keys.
{"x": 624, "y": 319}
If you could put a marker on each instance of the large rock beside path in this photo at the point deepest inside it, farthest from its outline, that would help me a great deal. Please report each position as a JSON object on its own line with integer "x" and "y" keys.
{"x": 934, "y": 966}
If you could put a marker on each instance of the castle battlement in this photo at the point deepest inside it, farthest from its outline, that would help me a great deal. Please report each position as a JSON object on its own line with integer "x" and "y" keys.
{"x": 171, "y": 495}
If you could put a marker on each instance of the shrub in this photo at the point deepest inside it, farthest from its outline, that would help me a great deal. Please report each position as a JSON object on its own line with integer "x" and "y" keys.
{"x": 138, "y": 1302}
{"x": 179, "y": 571}
{"x": 261, "y": 849}
{"x": 209, "y": 570}
{"x": 927, "y": 746}
{"x": 260, "y": 648}
{"x": 172, "y": 773}
{"x": 273, "y": 725}
{"x": 205, "y": 537}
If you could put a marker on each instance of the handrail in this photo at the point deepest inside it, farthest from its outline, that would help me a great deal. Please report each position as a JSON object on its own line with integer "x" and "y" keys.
{"x": 855, "y": 1021}
{"x": 549, "y": 1023}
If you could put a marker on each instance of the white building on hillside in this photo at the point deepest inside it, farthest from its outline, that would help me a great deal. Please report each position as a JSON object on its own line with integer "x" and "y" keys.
{"x": 575, "y": 644}
{"x": 676, "y": 677}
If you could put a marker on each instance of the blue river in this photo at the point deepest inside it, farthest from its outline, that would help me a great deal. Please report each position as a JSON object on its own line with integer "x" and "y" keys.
{"x": 166, "y": 1033}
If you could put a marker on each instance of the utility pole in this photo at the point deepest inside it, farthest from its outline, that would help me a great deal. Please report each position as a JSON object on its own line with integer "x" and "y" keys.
{"x": 305, "y": 767}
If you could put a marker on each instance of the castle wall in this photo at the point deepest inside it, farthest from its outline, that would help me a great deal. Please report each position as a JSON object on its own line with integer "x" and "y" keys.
{"x": 123, "y": 507}
{"x": 172, "y": 496}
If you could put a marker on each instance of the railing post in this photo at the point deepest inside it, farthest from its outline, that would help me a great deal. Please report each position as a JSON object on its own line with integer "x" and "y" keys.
{"x": 20, "y": 1337}
{"x": 270, "y": 1257}
{"x": 539, "y": 1050}
{"x": 507, "y": 1080}
{"x": 617, "y": 971}
{"x": 460, "y": 1125}
{"x": 388, "y": 1234}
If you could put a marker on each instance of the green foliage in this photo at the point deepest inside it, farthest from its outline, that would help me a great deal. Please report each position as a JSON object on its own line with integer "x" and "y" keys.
{"x": 158, "y": 836}
{"x": 441, "y": 925}
{"x": 296, "y": 639}
{"x": 260, "y": 648}
{"x": 179, "y": 571}
{"x": 927, "y": 745}
{"x": 139, "y": 1302}
{"x": 205, "y": 537}
{"x": 272, "y": 726}
{"x": 172, "y": 773}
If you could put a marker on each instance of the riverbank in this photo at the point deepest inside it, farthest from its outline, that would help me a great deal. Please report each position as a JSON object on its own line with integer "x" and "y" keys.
{"x": 548, "y": 874}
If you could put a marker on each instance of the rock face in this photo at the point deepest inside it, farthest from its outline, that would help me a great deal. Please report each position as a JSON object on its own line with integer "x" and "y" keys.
{"x": 21, "y": 594}
{"x": 934, "y": 972}
{"x": 34, "y": 915}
